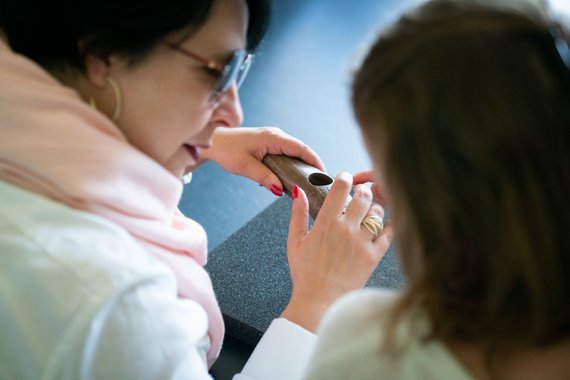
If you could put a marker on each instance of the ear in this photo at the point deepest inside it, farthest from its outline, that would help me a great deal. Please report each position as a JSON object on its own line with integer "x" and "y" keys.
{"x": 96, "y": 70}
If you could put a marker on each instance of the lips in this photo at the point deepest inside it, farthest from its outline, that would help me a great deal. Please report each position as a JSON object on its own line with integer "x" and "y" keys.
{"x": 193, "y": 151}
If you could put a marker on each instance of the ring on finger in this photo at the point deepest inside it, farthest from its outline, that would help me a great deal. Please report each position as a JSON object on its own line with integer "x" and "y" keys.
{"x": 374, "y": 224}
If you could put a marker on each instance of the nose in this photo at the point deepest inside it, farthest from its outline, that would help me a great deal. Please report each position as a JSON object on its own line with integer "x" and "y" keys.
{"x": 229, "y": 110}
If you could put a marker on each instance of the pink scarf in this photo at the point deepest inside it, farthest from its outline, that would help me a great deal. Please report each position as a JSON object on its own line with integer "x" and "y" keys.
{"x": 53, "y": 144}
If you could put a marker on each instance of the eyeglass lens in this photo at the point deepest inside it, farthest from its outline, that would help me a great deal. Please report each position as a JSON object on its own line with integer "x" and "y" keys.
{"x": 236, "y": 70}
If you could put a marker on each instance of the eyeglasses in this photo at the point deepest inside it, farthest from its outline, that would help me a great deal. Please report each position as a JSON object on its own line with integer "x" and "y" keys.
{"x": 235, "y": 70}
{"x": 561, "y": 42}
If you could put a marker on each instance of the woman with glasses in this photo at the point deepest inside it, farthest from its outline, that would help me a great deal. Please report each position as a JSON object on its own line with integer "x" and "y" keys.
{"x": 464, "y": 107}
{"x": 104, "y": 107}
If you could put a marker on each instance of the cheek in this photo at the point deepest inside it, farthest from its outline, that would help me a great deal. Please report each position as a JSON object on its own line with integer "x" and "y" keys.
{"x": 164, "y": 106}
{"x": 159, "y": 121}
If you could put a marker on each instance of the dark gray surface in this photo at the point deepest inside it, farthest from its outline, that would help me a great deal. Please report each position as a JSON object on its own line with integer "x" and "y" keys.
{"x": 251, "y": 276}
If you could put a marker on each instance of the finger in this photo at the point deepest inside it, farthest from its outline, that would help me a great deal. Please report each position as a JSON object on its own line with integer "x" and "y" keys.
{"x": 299, "y": 224}
{"x": 384, "y": 240}
{"x": 261, "y": 174}
{"x": 310, "y": 157}
{"x": 360, "y": 204}
{"x": 378, "y": 194}
{"x": 333, "y": 205}
{"x": 362, "y": 177}
{"x": 377, "y": 210}
{"x": 372, "y": 224}
{"x": 293, "y": 147}
{"x": 368, "y": 176}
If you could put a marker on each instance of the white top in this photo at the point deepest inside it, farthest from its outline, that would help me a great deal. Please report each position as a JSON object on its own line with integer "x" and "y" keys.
{"x": 351, "y": 345}
{"x": 81, "y": 299}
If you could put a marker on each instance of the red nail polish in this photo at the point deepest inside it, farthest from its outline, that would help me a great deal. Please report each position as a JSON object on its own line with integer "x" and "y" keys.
{"x": 276, "y": 190}
{"x": 295, "y": 192}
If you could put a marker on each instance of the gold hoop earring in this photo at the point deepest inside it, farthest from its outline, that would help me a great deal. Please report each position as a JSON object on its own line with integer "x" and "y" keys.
{"x": 118, "y": 98}
{"x": 92, "y": 102}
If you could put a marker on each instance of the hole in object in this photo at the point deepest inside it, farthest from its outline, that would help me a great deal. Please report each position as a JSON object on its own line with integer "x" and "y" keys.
{"x": 320, "y": 179}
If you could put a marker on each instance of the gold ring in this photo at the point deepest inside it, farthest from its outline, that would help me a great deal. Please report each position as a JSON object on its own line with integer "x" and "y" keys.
{"x": 374, "y": 224}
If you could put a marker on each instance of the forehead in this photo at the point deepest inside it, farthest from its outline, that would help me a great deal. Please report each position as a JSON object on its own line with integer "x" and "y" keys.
{"x": 224, "y": 30}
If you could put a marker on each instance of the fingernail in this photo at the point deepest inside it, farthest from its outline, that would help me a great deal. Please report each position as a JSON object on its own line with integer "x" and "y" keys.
{"x": 295, "y": 192}
{"x": 276, "y": 190}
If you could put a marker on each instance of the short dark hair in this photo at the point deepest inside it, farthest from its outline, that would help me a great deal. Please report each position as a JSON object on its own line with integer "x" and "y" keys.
{"x": 49, "y": 32}
{"x": 468, "y": 110}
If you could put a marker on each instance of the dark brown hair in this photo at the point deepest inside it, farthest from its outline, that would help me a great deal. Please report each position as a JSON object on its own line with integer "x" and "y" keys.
{"x": 50, "y": 32}
{"x": 466, "y": 111}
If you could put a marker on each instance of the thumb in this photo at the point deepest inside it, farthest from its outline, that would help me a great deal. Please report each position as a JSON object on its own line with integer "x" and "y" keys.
{"x": 299, "y": 224}
{"x": 362, "y": 177}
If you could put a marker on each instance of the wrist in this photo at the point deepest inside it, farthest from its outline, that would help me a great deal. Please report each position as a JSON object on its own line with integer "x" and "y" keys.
{"x": 307, "y": 314}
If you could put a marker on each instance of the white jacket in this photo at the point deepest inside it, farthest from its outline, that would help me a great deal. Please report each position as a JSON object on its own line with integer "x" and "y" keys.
{"x": 80, "y": 299}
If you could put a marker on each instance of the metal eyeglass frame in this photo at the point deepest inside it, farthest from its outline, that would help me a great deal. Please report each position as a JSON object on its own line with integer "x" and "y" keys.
{"x": 235, "y": 70}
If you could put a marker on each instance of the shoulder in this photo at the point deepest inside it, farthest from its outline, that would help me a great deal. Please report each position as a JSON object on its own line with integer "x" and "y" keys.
{"x": 76, "y": 244}
{"x": 92, "y": 297}
{"x": 71, "y": 273}
{"x": 358, "y": 317}
{"x": 352, "y": 343}
{"x": 358, "y": 307}
{"x": 50, "y": 250}
{"x": 358, "y": 314}
{"x": 351, "y": 336}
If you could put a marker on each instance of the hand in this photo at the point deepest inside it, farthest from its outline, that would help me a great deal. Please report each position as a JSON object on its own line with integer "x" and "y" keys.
{"x": 336, "y": 256}
{"x": 240, "y": 151}
{"x": 367, "y": 176}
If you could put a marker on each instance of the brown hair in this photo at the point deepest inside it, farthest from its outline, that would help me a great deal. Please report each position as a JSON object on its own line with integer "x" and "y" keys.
{"x": 467, "y": 108}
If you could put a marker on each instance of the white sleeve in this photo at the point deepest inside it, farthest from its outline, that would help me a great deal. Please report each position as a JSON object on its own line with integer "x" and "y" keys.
{"x": 145, "y": 332}
{"x": 282, "y": 353}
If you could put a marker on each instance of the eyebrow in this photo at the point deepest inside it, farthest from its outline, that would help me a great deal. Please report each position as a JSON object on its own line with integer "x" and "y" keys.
{"x": 222, "y": 55}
